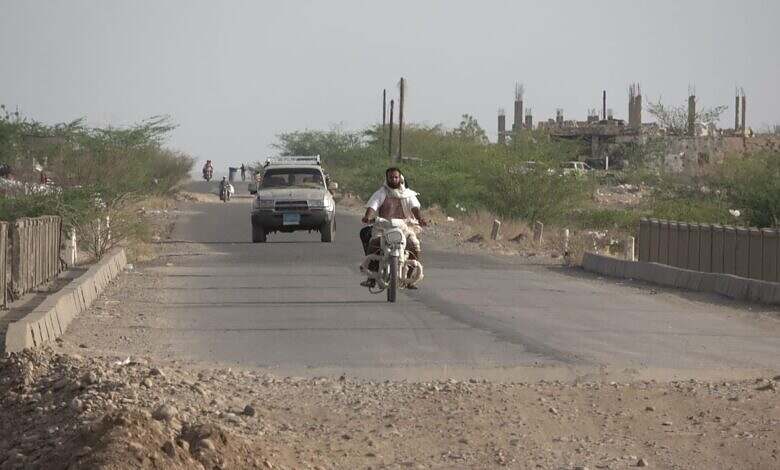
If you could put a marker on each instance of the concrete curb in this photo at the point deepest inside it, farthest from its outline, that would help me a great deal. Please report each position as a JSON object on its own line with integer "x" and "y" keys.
{"x": 735, "y": 287}
{"x": 51, "y": 318}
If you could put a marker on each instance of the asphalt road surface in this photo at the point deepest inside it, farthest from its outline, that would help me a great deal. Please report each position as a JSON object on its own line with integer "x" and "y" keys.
{"x": 294, "y": 305}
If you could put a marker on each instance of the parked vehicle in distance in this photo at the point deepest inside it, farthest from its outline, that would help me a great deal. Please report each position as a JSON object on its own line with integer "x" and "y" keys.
{"x": 293, "y": 194}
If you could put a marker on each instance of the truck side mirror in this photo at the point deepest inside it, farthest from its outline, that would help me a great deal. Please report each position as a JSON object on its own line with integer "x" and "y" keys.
{"x": 332, "y": 186}
{"x": 252, "y": 187}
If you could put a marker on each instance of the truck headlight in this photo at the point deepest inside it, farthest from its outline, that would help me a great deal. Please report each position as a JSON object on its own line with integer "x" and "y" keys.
{"x": 325, "y": 203}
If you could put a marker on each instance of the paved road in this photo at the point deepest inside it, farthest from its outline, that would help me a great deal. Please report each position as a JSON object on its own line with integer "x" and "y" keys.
{"x": 294, "y": 305}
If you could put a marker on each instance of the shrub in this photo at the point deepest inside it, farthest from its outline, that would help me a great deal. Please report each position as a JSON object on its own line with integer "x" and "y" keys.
{"x": 456, "y": 170}
{"x": 97, "y": 172}
{"x": 753, "y": 185}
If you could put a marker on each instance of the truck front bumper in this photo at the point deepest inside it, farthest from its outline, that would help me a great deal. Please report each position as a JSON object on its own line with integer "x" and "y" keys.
{"x": 273, "y": 221}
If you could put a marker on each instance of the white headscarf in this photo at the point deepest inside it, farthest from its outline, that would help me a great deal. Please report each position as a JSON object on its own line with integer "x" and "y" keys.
{"x": 403, "y": 193}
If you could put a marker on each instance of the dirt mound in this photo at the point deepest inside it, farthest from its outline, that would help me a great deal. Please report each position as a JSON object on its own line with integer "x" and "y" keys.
{"x": 135, "y": 439}
{"x": 64, "y": 411}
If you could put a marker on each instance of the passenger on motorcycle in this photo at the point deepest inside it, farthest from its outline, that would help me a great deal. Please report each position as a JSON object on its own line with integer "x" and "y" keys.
{"x": 392, "y": 201}
{"x": 208, "y": 169}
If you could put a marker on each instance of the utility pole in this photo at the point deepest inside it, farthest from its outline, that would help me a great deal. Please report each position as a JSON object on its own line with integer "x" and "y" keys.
{"x": 401, "y": 124}
{"x": 384, "y": 115}
{"x": 390, "y": 139}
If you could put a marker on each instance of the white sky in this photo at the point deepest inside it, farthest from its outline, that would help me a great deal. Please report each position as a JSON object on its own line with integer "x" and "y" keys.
{"x": 232, "y": 74}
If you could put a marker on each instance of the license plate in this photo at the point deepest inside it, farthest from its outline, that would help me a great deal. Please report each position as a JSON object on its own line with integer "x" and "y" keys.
{"x": 291, "y": 219}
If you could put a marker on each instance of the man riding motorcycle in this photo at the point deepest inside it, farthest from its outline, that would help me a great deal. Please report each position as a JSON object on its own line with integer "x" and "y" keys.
{"x": 392, "y": 201}
{"x": 208, "y": 170}
{"x": 224, "y": 186}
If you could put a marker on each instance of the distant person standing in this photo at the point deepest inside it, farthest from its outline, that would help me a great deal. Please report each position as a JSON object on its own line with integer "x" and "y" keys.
{"x": 243, "y": 172}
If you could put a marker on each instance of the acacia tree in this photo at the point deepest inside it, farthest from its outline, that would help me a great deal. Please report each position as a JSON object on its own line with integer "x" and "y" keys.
{"x": 674, "y": 118}
{"x": 469, "y": 129}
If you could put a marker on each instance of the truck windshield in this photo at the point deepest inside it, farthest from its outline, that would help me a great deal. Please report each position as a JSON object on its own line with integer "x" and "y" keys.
{"x": 292, "y": 177}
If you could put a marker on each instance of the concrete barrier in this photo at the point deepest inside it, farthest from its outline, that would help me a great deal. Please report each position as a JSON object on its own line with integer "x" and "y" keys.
{"x": 644, "y": 240}
{"x": 729, "y": 250}
{"x": 769, "y": 241}
{"x": 663, "y": 242}
{"x": 674, "y": 237}
{"x": 717, "y": 249}
{"x": 51, "y": 318}
{"x": 735, "y": 287}
{"x": 683, "y": 235}
{"x": 705, "y": 248}
{"x": 655, "y": 240}
{"x": 756, "y": 259}
{"x": 742, "y": 255}
{"x": 694, "y": 236}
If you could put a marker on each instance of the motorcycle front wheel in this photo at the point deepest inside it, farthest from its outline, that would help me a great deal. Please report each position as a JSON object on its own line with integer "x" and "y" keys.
{"x": 392, "y": 286}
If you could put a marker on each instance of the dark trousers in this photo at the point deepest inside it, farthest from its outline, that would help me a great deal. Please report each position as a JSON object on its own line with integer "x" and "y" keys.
{"x": 365, "y": 237}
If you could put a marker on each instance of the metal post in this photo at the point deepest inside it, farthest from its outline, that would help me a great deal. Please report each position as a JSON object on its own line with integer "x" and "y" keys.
{"x": 604, "y": 104}
{"x": 495, "y": 233}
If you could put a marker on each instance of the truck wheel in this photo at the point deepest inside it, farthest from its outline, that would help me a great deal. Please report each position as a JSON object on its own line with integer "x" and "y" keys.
{"x": 258, "y": 234}
{"x": 328, "y": 231}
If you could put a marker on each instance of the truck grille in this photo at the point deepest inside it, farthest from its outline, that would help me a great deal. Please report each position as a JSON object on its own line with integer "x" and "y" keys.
{"x": 291, "y": 206}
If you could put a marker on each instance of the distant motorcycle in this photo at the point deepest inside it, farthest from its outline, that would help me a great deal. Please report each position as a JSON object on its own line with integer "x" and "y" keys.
{"x": 226, "y": 192}
{"x": 396, "y": 270}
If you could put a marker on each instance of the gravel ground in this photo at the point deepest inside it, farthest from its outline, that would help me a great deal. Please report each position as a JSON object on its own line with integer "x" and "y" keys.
{"x": 69, "y": 411}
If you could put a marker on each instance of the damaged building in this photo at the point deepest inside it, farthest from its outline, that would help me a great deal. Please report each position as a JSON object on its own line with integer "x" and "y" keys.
{"x": 690, "y": 149}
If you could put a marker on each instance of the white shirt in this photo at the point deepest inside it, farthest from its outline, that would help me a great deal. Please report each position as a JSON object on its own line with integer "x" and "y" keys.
{"x": 378, "y": 198}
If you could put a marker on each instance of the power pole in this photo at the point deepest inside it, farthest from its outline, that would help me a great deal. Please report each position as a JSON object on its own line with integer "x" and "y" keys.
{"x": 384, "y": 116}
{"x": 390, "y": 139}
{"x": 401, "y": 124}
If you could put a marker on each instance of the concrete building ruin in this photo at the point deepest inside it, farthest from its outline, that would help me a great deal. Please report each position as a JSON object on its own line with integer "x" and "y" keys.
{"x": 607, "y": 137}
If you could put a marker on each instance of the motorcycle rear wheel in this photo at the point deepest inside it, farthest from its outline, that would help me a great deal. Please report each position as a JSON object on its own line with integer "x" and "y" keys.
{"x": 392, "y": 286}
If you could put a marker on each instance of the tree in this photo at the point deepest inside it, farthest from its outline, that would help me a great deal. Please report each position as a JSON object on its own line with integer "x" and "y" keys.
{"x": 470, "y": 130}
{"x": 675, "y": 118}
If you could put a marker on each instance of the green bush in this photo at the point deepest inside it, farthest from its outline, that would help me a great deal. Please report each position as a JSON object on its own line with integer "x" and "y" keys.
{"x": 97, "y": 172}
{"x": 454, "y": 169}
{"x": 752, "y": 185}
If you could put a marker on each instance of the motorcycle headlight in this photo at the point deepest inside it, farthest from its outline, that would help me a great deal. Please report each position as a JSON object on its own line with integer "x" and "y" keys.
{"x": 261, "y": 203}
{"x": 394, "y": 237}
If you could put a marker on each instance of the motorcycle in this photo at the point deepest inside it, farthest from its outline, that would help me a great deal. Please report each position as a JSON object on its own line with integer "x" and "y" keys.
{"x": 396, "y": 269}
{"x": 208, "y": 172}
{"x": 226, "y": 192}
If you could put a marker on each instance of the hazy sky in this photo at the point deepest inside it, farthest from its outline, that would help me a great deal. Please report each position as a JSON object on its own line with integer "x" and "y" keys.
{"x": 233, "y": 74}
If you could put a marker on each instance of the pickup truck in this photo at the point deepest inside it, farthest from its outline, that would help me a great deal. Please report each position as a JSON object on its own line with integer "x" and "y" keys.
{"x": 293, "y": 194}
